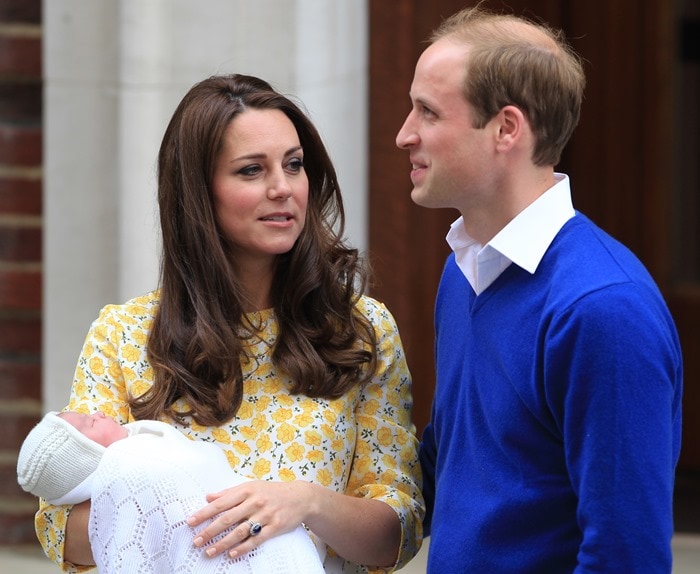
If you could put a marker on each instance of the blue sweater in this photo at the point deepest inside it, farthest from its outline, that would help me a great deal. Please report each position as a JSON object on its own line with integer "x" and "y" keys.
{"x": 556, "y": 418}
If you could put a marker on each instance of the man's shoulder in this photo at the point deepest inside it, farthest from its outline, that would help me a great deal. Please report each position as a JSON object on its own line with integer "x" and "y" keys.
{"x": 590, "y": 255}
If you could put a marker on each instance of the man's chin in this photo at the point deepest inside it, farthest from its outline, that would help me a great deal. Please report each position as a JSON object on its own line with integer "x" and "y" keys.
{"x": 420, "y": 196}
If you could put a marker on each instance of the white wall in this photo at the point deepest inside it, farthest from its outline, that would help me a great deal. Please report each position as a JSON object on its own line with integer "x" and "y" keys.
{"x": 114, "y": 70}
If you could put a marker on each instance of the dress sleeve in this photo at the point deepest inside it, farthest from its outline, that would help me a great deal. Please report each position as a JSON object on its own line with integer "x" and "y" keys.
{"x": 385, "y": 465}
{"x": 98, "y": 384}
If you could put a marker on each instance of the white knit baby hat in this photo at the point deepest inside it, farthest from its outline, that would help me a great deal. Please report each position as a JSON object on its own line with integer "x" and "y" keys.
{"x": 55, "y": 458}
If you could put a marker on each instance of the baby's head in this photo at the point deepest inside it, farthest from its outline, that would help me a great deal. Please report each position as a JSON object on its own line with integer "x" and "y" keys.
{"x": 62, "y": 450}
{"x": 99, "y": 427}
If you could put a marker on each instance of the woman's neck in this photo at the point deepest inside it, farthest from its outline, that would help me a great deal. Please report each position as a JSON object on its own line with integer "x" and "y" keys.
{"x": 256, "y": 281}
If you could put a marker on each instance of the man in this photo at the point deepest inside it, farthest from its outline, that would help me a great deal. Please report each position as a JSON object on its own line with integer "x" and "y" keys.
{"x": 556, "y": 420}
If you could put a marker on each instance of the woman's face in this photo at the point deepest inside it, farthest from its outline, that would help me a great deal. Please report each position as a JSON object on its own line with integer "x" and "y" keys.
{"x": 260, "y": 186}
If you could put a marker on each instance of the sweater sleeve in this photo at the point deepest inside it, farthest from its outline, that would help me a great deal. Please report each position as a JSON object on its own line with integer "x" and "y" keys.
{"x": 613, "y": 383}
{"x": 428, "y": 454}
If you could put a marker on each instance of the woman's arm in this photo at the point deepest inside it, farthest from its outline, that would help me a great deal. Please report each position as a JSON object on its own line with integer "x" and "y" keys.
{"x": 377, "y": 521}
{"x": 361, "y": 530}
{"x": 98, "y": 384}
{"x": 77, "y": 545}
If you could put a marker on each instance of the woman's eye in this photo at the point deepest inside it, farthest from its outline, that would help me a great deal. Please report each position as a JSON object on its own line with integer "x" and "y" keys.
{"x": 295, "y": 165}
{"x": 250, "y": 170}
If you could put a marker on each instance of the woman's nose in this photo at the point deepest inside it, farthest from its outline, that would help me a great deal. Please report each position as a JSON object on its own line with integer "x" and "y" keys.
{"x": 279, "y": 188}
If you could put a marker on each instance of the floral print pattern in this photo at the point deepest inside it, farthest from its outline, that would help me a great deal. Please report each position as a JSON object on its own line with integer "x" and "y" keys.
{"x": 362, "y": 444}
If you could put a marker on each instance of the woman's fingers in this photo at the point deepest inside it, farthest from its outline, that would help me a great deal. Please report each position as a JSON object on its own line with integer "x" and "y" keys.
{"x": 243, "y": 517}
{"x": 237, "y": 540}
{"x": 218, "y": 503}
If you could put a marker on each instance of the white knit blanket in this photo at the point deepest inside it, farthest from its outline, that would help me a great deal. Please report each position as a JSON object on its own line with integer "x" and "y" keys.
{"x": 142, "y": 492}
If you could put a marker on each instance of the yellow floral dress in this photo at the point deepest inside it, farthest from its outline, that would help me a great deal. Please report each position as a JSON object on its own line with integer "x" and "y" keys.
{"x": 362, "y": 444}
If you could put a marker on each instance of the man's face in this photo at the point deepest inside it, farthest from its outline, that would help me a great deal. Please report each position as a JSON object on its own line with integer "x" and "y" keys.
{"x": 449, "y": 157}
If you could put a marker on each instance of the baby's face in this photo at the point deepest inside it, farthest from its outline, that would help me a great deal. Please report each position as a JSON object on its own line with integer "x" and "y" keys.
{"x": 99, "y": 427}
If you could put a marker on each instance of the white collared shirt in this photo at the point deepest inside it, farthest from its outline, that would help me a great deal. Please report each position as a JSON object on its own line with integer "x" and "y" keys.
{"x": 523, "y": 241}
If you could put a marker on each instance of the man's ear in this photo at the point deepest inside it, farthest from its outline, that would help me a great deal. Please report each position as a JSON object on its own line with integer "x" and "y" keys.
{"x": 511, "y": 126}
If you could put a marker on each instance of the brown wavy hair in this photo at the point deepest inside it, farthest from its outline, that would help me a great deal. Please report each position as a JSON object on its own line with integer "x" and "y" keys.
{"x": 197, "y": 340}
{"x": 515, "y": 61}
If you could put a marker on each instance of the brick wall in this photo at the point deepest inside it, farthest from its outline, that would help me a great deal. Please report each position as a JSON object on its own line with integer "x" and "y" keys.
{"x": 20, "y": 253}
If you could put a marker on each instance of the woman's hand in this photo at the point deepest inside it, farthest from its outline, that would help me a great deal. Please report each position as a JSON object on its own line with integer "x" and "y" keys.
{"x": 361, "y": 530}
{"x": 77, "y": 549}
{"x": 278, "y": 507}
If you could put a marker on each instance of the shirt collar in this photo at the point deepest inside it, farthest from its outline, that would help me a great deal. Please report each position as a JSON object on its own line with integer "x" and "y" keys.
{"x": 524, "y": 241}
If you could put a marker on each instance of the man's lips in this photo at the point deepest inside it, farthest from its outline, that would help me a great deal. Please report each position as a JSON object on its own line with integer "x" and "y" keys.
{"x": 416, "y": 170}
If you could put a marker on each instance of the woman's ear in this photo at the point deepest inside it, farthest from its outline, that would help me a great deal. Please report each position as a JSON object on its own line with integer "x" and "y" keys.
{"x": 511, "y": 126}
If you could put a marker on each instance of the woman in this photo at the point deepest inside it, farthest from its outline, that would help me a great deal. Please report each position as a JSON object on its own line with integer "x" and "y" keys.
{"x": 260, "y": 341}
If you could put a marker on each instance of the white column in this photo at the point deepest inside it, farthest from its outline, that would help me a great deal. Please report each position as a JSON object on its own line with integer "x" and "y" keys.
{"x": 332, "y": 72}
{"x": 114, "y": 72}
{"x": 80, "y": 180}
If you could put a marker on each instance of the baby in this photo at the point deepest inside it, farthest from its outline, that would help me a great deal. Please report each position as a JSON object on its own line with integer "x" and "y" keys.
{"x": 144, "y": 479}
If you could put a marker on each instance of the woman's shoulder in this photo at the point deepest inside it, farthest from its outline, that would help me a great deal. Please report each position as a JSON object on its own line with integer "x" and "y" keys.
{"x": 144, "y": 305}
{"x": 136, "y": 313}
{"x": 376, "y": 311}
{"x": 369, "y": 305}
